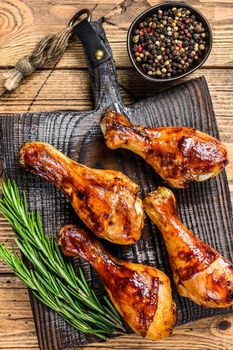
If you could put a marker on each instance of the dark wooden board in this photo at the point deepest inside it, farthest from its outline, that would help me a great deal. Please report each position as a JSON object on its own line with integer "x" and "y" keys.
{"x": 205, "y": 207}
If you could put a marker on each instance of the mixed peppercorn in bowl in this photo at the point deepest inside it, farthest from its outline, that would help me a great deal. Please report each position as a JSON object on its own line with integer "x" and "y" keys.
{"x": 169, "y": 41}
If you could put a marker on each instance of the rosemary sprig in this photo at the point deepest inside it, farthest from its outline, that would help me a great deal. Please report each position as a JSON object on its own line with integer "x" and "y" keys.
{"x": 53, "y": 280}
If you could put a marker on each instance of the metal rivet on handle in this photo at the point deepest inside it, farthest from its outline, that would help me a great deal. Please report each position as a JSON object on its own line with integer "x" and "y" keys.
{"x": 99, "y": 54}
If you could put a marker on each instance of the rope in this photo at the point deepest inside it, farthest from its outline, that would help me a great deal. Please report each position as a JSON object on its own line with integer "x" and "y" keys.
{"x": 47, "y": 51}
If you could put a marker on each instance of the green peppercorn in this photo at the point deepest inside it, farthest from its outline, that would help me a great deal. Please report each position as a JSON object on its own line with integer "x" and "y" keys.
{"x": 135, "y": 39}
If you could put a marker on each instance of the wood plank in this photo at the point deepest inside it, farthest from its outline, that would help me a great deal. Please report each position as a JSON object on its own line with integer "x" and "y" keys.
{"x": 17, "y": 327}
{"x": 26, "y": 22}
{"x": 70, "y": 89}
{"x": 193, "y": 336}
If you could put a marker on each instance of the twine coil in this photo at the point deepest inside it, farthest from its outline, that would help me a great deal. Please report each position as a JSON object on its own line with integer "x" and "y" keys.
{"x": 48, "y": 50}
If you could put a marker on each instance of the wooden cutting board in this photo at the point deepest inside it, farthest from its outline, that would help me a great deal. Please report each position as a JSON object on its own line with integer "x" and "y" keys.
{"x": 204, "y": 207}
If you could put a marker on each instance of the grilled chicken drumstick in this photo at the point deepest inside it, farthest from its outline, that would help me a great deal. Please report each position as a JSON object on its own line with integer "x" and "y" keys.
{"x": 178, "y": 154}
{"x": 142, "y": 294}
{"x": 105, "y": 200}
{"x": 200, "y": 272}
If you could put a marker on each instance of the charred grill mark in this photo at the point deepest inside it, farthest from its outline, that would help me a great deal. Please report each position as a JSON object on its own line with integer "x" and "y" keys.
{"x": 126, "y": 133}
{"x": 81, "y": 195}
{"x": 196, "y": 261}
{"x": 140, "y": 133}
{"x": 230, "y": 295}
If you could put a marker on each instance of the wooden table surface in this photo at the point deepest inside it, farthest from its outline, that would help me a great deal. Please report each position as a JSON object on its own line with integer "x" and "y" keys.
{"x": 66, "y": 86}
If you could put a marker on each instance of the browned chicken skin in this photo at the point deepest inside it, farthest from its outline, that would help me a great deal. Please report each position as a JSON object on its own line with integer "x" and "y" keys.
{"x": 105, "y": 200}
{"x": 178, "y": 154}
{"x": 142, "y": 294}
{"x": 200, "y": 272}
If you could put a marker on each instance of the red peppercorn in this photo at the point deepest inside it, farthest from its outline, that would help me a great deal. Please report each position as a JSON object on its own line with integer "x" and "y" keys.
{"x": 141, "y": 32}
{"x": 188, "y": 35}
{"x": 187, "y": 20}
{"x": 140, "y": 49}
{"x": 182, "y": 27}
{"x": 180, "y": 45}
{"x": 148, "y": 30}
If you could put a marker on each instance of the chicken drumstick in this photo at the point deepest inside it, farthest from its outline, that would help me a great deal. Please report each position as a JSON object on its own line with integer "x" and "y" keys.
{"x": 105, "y": 200}
{"x": 179, "y": 155}
{"x": 200, "y": 272}
{"x": 141, "y": 294}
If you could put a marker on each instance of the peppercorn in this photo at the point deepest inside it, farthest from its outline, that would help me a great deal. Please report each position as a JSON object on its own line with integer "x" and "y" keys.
{"x": 135, "y": 38}
{"x": 168, "y": 42}
{"x": 202, "y": 47}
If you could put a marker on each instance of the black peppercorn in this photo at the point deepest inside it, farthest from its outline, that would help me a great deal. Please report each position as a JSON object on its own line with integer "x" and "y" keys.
{"x": 168, "y": 42}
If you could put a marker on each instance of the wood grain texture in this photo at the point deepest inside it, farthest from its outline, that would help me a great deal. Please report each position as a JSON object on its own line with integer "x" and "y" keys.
{"x": 18, "y": 34}
{"x": 17, "y": 332}
{"x": 24, "y": 22}
{"x": 71, "y": 89}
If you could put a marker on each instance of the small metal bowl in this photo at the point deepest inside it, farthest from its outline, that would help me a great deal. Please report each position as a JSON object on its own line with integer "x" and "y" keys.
{"x": 165, "y": 6}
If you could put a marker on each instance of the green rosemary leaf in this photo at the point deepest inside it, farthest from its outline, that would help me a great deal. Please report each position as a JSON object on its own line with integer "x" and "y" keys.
{"x": 52, "y": 279}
